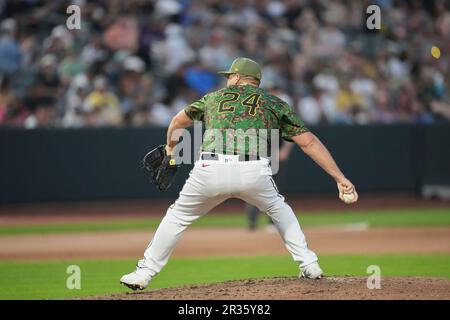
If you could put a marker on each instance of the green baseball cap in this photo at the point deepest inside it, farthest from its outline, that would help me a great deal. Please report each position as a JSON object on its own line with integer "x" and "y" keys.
{"x": 245, "y": 67}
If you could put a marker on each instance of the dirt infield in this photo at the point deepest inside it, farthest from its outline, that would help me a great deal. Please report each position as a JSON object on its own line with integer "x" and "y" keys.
{"x": 335, "y": 288}
{"x": 224, "y": 242}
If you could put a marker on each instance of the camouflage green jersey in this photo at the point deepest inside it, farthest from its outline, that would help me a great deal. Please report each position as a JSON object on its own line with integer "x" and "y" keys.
{"x": 244, "y": 120}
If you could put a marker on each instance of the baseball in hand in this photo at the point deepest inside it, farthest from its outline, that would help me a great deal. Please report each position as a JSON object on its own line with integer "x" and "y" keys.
{"x": 349, "y": 197}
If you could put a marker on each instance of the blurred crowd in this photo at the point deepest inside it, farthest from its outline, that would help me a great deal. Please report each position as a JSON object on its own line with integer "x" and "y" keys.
{"x": 138, "y": 62}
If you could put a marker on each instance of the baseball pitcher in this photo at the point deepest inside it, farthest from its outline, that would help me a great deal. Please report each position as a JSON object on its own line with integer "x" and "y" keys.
{"x": 228, "y": 169}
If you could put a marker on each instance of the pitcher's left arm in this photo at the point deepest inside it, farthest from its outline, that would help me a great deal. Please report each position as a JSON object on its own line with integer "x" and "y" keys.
{"x": 179, "y": 121}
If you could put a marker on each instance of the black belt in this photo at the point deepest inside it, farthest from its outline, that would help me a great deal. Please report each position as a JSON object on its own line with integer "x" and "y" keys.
{"x": 242, "y": 157}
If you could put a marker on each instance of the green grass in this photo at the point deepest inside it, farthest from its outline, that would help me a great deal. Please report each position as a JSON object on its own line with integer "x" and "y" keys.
{"x": 47, "y": 280}
{"x": 380, "y": 218}
{"x": 117, "y": 225}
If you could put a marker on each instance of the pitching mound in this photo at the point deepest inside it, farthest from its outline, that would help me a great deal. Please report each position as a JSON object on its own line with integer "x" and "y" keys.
{"x": 294, "y": 289}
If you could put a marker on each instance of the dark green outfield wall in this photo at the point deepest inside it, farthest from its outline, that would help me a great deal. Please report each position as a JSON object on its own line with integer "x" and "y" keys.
{"x": 58, "y": 165}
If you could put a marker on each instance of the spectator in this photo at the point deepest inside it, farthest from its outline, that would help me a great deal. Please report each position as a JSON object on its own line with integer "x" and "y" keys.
{"x": 130, "y": 83}
{"x": 200, "y": 79}
{"x": 383, "y": 113}
{"x": 5, "y": 99}
{"x": 151, "y": 57}
{"x": 69, "y": 67}
{"x": 46, "y": 86}
{"x": 101, "y": 105}
{"x": 161, "y": 114}
{"x": 10, "y": 52}
{"x": 317, "y": 108}
{"x": 42, "y": 117}
{"x": 76, "y": 95}
{"x": 174, "y": 51}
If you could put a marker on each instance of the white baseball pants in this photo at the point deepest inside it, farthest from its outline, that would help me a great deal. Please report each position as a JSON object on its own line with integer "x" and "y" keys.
{"x": 210, "y": 183}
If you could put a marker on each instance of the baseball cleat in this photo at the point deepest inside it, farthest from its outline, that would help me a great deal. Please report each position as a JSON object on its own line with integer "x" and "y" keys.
{"x": 311, "y": 271}
{"x": 135, "y": 281}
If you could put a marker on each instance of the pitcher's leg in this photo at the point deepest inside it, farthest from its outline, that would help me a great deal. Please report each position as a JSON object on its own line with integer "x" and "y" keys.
{"x": 166, "y": 237}
{"x": 196, "y": 199}
{"x": 289, "y": 228}
{"x": 264, "y": 195}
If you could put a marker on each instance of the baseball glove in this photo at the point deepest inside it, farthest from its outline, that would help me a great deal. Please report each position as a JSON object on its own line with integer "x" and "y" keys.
{"x": 161, "y": 166}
